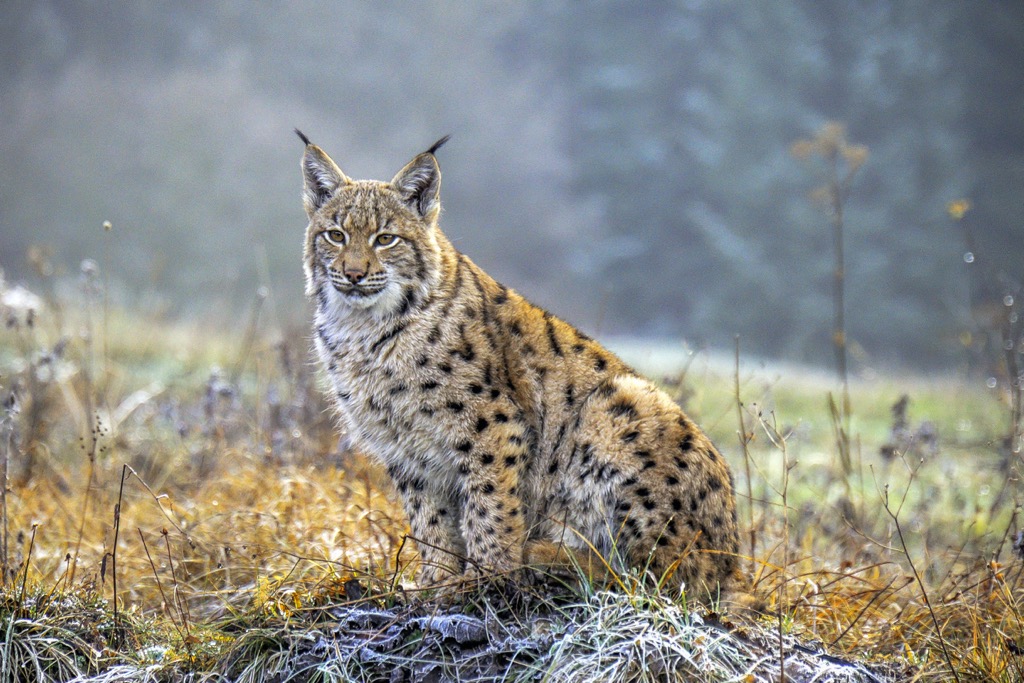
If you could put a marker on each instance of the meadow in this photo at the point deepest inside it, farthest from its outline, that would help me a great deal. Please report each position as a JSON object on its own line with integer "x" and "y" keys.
{"x": 179, "y": 503}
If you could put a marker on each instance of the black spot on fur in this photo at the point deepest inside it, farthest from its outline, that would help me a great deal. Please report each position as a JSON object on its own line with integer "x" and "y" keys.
{"x": 600, "y": 364}
{"x": 677, "y": 505}
{"x": 487, "y": 458}
{"x": 407, "y": 301}
{"x": 630, "y": 437}
{"x": 445, "y": 368}
{"x": 481, "y": 424}
{"x": 624, "y": 408}
{"x": 429, "y": 385}
{"x": 386, "y": 337}
{"x": 475, "y": 388}
{"x": 671, "y": 481}
{"x": 643, "y": 492}
{"x": 649, "y": 504}
{"x": 510, "y": 461}
{"x": 500, "y": 417}
{"x": 464, "y": 447}
{"x": 455, "y": 406}
{"x": 686, "y": 443}
{"x": 556, "y": 348}
{"x": 488, "y": 489}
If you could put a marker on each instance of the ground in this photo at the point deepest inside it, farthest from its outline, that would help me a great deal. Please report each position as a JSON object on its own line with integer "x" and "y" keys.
{"x": 197, "y": 475}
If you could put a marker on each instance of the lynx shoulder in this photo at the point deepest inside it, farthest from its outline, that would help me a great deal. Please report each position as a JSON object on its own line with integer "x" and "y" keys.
{"x": 512, "y": 437}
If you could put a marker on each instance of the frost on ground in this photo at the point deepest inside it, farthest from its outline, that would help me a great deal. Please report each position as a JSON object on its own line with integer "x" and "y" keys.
{"x": 608, "y": 637}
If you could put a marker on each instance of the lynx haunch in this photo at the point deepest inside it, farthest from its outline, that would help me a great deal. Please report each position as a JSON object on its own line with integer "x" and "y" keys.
{"x": 512, "y": 438}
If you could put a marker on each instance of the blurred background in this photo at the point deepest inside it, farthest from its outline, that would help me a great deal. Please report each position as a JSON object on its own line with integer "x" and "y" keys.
{"x": 628, "y": 165}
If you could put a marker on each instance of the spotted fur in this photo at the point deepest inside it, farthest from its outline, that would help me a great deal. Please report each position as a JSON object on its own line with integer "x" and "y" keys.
{"x": 509, "y": 434}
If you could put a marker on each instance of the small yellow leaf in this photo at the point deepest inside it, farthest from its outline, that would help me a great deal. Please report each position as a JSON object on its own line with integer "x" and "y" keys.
{"x": 958, "y": 208}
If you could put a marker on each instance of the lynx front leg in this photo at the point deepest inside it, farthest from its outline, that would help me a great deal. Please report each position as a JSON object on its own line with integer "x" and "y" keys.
{"x": 493, "y": 517}
{"x": 434, "y": 521}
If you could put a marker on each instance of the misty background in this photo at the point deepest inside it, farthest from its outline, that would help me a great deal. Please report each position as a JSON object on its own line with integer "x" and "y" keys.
{"x": 626, "y": 165}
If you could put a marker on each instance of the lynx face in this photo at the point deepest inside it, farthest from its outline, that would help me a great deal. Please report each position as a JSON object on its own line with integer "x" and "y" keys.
{"x": 371, "y": 245}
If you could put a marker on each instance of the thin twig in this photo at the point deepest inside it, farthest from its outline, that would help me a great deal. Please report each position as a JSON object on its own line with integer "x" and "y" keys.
{"x": 917, "y": 577}
{"x": 159, "y": 585}
{"x": 177, "y": 602}
{"x": 744, "y": 441}
{"x": 117, "y": 531}
{"x": 28, "y": 561}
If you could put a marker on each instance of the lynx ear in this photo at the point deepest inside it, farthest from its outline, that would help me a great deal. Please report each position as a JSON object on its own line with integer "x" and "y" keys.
{"x": 321, "y": 176}
{"x": 419, "y": 183}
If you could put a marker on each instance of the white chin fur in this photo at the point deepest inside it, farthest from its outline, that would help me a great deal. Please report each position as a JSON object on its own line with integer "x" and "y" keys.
{"x": 380, "y": 304}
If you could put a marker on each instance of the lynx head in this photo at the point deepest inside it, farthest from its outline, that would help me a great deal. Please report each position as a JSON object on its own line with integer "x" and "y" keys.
{"x": 371, "y": 245}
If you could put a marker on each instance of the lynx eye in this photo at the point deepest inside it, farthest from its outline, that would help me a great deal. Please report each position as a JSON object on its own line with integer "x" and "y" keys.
{"x": 385, "y": 239}
{"x": 335, "y": 237}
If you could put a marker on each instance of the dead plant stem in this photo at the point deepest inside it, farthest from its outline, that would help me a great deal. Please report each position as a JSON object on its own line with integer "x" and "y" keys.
{"x": 90, "y": 480}
{"x": 183, "y": 614}
{"x": 117, "y": 531}
{"x": 744, "y": 444}
{"x": 28, "y": 562}
{"x": 8, "y": 439}
{"x": 920, "y": 583}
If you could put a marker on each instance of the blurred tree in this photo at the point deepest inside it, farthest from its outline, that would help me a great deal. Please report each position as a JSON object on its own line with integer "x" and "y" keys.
{"x": 625, "y": 164}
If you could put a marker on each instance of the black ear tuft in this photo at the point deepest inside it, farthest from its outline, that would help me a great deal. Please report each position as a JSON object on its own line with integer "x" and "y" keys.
{"x": 419, "y": 184}
{"x": 306, "y": 141}
{"x": 436, "y": 146}
{"x": 321, "y": 177}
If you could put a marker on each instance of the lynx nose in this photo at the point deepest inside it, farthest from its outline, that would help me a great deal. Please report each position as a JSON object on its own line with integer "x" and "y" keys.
{"x": 354, "y": 274}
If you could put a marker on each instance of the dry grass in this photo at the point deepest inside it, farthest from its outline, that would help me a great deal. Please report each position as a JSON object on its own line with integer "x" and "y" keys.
{"x": 232, "y": 522}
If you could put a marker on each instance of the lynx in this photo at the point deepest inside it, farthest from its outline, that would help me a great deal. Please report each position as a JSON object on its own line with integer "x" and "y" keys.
{"x": 512, "y": 438}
